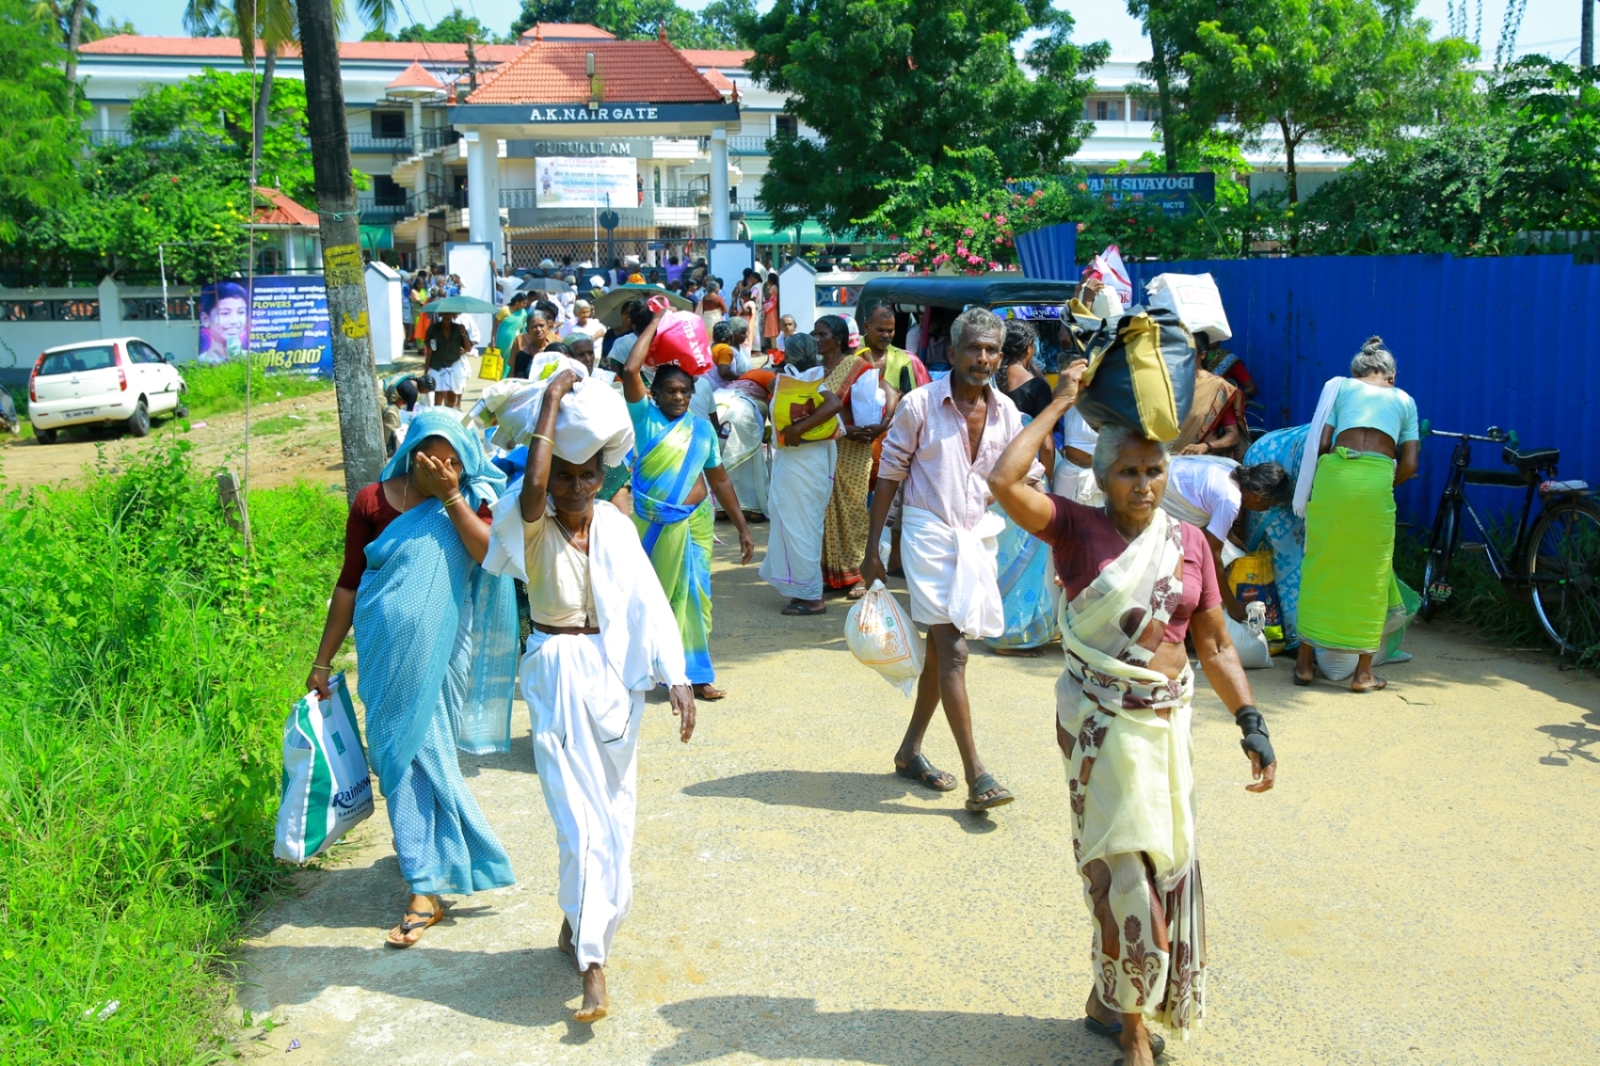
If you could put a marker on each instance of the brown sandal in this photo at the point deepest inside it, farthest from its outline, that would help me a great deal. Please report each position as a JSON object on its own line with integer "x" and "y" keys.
{"x": 406, "y": 926}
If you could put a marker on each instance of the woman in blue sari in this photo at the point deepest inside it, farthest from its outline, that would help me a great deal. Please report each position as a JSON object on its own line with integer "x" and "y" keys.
{"x": 673, "y": 448}
{"x": 436, "y": 643}
{"x": 1280, "y": 526}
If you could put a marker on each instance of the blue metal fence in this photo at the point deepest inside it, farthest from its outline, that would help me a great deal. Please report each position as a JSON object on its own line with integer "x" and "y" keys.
{"x": 1480, "y": 342}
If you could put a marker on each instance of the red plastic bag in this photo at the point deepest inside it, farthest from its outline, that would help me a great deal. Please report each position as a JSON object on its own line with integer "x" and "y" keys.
{"x": 681, "y": 339}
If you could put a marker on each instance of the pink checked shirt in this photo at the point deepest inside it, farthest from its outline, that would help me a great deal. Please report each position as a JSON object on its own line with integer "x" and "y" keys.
{"x": 927, "y": 448}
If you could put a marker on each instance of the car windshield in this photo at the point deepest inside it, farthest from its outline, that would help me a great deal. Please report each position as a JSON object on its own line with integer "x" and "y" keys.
{"x": 78, "y": 360}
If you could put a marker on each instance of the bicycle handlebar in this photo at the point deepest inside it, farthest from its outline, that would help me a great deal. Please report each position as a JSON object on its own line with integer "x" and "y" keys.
{"x": 1496, "y": 435}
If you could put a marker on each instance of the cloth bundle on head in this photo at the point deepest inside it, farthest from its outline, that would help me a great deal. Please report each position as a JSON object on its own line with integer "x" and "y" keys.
{"x": 635, "y": 279}
{"x": 481, "y": 481}
{"x": 593, "y": 417}
{"x": 722, "y": 354}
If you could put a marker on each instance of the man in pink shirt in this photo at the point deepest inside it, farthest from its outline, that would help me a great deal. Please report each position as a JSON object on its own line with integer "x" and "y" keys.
{"x": 945, "y": 439}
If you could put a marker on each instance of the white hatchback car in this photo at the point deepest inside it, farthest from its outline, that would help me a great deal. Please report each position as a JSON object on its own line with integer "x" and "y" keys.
{"x": 122, "y": 379}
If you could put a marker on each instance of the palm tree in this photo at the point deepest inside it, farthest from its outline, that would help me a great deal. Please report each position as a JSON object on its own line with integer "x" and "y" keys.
{"x": 274, "y": 23}
{"x": 70, "y": 19}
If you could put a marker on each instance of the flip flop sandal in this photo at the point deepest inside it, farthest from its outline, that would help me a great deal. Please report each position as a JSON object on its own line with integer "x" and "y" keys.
{"x": 856, "y": 592}
{"x": 1302, "y": 681}
{"x": 407, "y": 927}
{"x": 1379, "y": 686}
{"x": 987, "y": 783}
{"x": 1113, "y": 1032}
{"x": 923, "y": 772}
{"x": 798, "y": 610}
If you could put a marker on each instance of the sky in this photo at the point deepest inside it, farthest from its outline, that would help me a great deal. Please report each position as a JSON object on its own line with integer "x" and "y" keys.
{"x": 1549, "y": 26}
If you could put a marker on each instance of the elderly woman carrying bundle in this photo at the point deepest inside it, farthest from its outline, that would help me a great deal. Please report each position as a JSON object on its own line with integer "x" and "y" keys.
{"x": 603, "y": 635}
{"x": 1369, "y": 444}
{"x": 1136, "y": 581}
{"x": 436, "y": 640}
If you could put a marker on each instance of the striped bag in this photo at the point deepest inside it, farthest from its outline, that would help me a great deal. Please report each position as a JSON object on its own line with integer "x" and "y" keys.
{"x": 327, "y": 789}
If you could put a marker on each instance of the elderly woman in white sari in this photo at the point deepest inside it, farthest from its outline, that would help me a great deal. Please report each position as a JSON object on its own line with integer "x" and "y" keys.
{"x": 1135, "y": 580}
{"x": 603, "y": 635}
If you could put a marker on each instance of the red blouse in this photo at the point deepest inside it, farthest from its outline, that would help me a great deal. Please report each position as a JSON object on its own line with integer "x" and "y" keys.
{"x": 1084, "y": 542}
{"x": 370, "y": 515}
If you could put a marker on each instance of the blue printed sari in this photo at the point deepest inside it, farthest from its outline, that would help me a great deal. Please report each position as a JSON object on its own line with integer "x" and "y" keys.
{"x": 1025, "y": 574}
{"x": 1281, "y": 527}
{"x": 436, "y": 643}
{"x": 670, "y": 460}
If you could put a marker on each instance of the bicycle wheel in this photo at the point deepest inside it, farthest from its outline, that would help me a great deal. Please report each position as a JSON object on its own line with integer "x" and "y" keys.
{"x": 1564, "y": 567}
{"x": 1436, "y": 569}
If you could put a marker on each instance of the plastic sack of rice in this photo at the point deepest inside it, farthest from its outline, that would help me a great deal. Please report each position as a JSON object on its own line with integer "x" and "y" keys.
{"x": 327, "y": 788}
{"x": 880, "y": 635}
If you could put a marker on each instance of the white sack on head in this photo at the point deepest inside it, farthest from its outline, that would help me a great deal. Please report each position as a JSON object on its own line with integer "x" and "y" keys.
{"x": 1194, "y": 299}
{"x": 593, "y": 417}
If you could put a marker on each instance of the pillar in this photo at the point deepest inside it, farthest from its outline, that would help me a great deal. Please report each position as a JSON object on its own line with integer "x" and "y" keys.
{"x": 721, "y": 226}
{"x": 494, "y": 155}
{"x": 416, "y": 124}
{"x": 478, "y": 210}
{"x": 290, "y": 264}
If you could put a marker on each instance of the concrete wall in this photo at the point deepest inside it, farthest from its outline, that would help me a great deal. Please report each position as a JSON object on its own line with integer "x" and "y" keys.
{"x": 21, "y": 342}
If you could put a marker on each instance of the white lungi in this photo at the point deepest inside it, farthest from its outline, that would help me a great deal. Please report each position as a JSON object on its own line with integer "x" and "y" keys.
{"x": 797, "y": 498}
{"x": 586, "y": 743}
{"x": 951, "y": 573}
{"x": 450, "y": 378}
{"x": 744, "y": 457}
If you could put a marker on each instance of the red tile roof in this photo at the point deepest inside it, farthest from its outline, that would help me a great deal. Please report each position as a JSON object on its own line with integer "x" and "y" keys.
{"x": 566, "y": 31}
{"x": 715, "y": 77}
{"x": 725, "y": 58}
{"x": 279, "y": 210}
{"x": 416, "y": 76}
{"x": 552, "y": 72}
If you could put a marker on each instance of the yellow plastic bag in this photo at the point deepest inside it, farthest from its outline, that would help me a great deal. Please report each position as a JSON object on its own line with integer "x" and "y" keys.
{"x": 793, "y": 400}
{"x": 1252, "y": 580}
{"x": 494, "y": 365}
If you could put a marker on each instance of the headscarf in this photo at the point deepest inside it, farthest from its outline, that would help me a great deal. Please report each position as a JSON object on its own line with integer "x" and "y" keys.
{"x": 635, "y": 279}
{"x": 722, "y": 354}
{"x": 800, "y": 352}
{"x": 481, "y": 481}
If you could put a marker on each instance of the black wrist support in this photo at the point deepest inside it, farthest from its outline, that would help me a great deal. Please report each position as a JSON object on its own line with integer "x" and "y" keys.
{"x": 1256, "y": 739}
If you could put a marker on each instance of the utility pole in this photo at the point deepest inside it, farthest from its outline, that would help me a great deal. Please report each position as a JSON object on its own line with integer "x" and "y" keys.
{"x": 1586, "y": 37}
{"x": 354, "y": 375}
{"x": 472, "y": 67}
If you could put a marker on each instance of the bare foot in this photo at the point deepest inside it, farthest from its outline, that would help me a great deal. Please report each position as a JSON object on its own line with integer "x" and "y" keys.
{"x": 595, "y": 1001}
{"x": 564, "y": 942}
{"x": 709, "y": 693}
{"x": 423, "y": 912}
{"x": 1136, "y": 1041}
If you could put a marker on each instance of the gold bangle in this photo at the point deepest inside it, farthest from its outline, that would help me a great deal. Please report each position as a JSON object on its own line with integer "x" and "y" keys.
{"x": 319, "y": 666}
{"x": 547, "y": 440}
{"x": 452, "y": 501}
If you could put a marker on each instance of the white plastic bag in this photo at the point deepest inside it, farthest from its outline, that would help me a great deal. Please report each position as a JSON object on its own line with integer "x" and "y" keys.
{"x": 1194, "y": 299}
{"x": 1109, "y": 268}
{"x": 593, "y": 417}
{"x": 880, "y": 634}
{"x": 1248, "y": 637}
{"x": 867, "y": 399}
{"x": 327, "y": 788}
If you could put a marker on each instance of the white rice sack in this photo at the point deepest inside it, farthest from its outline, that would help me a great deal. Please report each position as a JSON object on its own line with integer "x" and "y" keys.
{"x": 880, "y": 635}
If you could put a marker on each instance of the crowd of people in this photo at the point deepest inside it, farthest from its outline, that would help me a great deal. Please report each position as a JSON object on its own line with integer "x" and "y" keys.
{"x": 1010, "y": 519}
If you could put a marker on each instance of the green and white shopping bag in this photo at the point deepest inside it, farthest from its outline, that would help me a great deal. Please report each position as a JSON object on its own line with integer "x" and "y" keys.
{"x": 327, "y": 788}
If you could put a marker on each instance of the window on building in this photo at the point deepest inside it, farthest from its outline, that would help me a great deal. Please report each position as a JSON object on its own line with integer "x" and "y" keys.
{"x": 385, "y": 190}
{"x": 389, "y": 124}
{"x": 788, "y": 124}
{"x": 1101, "y": 110}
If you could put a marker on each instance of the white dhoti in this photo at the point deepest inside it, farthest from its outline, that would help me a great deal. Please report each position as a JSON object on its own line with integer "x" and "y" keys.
{"x": 744, "y": 456}
{"x": 802, "y": 484}
{"x": 951, "y": 573}
{"x": 586, "y": 742}
{"x": 1076, "y": 483}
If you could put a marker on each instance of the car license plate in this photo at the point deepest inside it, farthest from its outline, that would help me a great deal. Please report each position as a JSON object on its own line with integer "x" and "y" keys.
{"x": 78, "y": 414}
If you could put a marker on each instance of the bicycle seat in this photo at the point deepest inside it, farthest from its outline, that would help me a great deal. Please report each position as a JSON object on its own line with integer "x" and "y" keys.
{"x": 1530, "y": 459}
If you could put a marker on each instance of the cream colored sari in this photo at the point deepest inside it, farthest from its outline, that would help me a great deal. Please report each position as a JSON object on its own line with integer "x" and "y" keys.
{"x": 1131, "y": 781}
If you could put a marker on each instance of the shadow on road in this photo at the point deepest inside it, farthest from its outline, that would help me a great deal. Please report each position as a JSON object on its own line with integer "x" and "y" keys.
{"x": 1574, "y": 740}
{"x": 788, "y": 1029}
{"x": 834, "y": 791}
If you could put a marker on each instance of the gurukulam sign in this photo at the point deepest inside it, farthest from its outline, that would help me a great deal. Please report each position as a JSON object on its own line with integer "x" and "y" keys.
{"x": 1174, "y": 192}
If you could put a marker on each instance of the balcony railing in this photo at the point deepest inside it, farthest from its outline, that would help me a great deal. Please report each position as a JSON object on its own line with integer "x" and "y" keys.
{"x": 747, "y": 144}
{"x": 368, "y": 144}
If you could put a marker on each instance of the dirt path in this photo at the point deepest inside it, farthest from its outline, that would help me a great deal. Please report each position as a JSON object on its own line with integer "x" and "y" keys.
{"x": 290, "y": 440}
{"x": 1418, "y": 890}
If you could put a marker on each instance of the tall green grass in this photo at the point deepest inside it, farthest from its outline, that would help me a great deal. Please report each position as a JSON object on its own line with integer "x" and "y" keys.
{"x": 148, "y": 665}
{"x": 216, "y": 390}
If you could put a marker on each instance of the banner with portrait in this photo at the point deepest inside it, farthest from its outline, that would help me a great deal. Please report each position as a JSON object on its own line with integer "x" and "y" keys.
{"x": 586, "y": 181}
{"x": 281, "y": 320}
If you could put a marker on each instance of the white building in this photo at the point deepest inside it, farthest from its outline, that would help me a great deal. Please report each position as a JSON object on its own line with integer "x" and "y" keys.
{"x": 410, "y": 107}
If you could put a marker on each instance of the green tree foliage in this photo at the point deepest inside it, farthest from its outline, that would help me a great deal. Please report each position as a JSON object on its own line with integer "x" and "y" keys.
{"x": 1522, "y": 158}
{"x": 454, "y": 28}
{"x": 638, "y": 20}
{"x": 1344, "y": 74}
{"x": 41, "y": 118}
{"x": 894, "y": 85}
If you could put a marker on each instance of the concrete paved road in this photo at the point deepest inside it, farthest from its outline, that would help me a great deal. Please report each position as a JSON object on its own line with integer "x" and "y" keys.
{"x": 1420, "y": 888}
